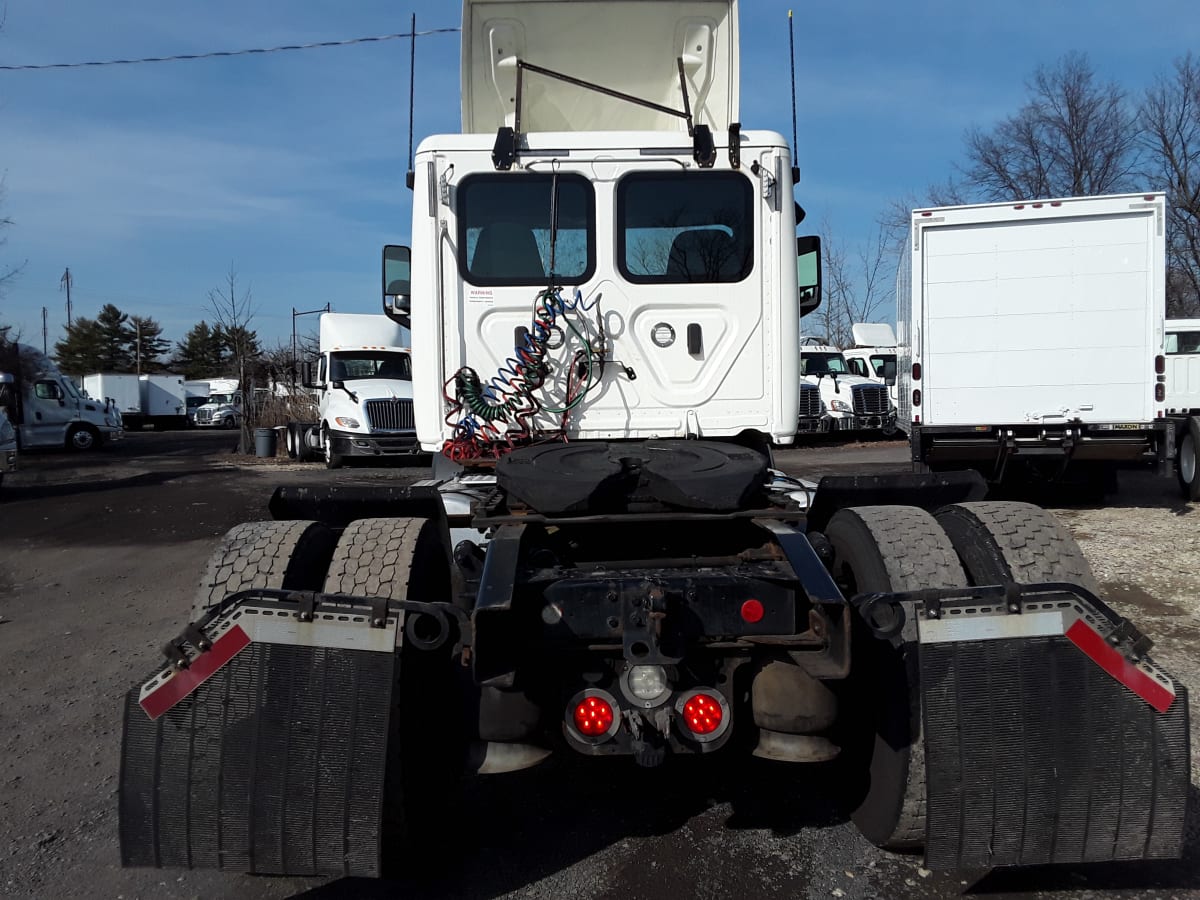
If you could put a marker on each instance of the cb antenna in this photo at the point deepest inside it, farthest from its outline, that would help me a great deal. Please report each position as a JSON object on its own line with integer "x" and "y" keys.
{"x": 412, "y": 71}
{"x": 792, "y": 61}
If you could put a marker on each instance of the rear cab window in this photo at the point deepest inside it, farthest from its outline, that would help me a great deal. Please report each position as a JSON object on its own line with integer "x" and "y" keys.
{"x": 505, "y": 229}
{"x": 685, "y": 227}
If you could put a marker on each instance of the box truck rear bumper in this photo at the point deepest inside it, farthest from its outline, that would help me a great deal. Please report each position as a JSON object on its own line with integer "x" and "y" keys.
{"x": 1119, "y": 442}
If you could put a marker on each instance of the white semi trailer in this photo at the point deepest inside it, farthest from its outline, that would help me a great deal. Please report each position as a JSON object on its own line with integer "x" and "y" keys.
{"x": 604, "y": 292}
{"x": 1032, "y": 338}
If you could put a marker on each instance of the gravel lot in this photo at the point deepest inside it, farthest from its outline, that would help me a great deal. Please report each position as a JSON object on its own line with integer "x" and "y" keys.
{"x": 98, "y": 562}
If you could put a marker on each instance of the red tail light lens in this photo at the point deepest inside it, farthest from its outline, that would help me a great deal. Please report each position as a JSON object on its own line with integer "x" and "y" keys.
{"x": 916, "y": 371}
{"x": 593, "y": 716}
{"x": 1160, "y": 392}
{"x": 702, "y": 714}
{"x": 752, "y": 611}
{"x": 917, "y": 397}
{"x": 1160, "y": 365}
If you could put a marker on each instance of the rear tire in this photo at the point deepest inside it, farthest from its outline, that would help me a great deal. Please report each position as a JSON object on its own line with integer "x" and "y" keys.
{"x": 1000, "y": 541}
{"x": 1187, "y": 467}
{"x": 887, "y": 548}
{"x": 280, "y": 555}
{"x": 405, "y": 558}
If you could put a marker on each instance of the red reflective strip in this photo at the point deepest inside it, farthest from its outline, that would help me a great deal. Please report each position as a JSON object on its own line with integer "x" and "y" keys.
{"x": 1112, "y": 661}
{"x": 180, "y": 685}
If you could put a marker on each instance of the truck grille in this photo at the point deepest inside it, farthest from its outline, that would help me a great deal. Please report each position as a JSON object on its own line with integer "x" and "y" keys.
{"x": 204, "y": 416}
{"x": 390, "y": 415}
{"x": 870, "y": 400}
{"x": 810, "y": 402}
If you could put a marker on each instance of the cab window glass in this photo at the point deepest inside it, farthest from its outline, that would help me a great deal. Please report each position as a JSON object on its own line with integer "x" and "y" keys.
{"x": 505, "y": 229}
{"x": 1183, "y": 342}
{"x": 679, "y": 228}
{"x": 47, "y": 390}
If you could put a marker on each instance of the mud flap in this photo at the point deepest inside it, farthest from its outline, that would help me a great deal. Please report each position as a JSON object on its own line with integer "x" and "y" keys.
{"x": 266, "y": 751}
{"x": 1049, "y": 736}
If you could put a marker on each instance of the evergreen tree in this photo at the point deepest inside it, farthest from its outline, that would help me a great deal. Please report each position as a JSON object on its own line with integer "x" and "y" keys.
{"x": 117, "y": 339}
{"x": 153, "y": 346}
{"x": 200, "y": 354}
{"x": 82, "y": 351}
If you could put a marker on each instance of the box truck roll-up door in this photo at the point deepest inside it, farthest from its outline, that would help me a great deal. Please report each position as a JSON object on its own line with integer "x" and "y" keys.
{"x": 1047, "y": 322}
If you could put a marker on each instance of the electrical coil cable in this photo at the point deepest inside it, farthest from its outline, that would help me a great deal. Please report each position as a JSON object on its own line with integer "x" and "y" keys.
{"x": 491, "y": 419}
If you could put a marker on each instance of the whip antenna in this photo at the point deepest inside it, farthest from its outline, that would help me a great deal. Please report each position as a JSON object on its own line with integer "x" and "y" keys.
{"x": 792, "y": 61}
{"x": 412, "y": 73}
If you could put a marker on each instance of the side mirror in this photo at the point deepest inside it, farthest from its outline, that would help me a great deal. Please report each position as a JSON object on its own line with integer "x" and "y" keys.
{"x": 808, "y": 273}
{"x": 397, "y": 288}
{"x": 307, "y": 379}
{"x": 889, "y": 373}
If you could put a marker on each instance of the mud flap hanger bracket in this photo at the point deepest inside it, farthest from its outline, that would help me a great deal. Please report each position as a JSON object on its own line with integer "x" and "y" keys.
{"x": 892, "y": 616}
{"x": 308, "y": 604}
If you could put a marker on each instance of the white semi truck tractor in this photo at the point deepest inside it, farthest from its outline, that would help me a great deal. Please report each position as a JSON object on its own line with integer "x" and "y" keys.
{"x": 604, "y": 302}
{"x": 363, "y": 384}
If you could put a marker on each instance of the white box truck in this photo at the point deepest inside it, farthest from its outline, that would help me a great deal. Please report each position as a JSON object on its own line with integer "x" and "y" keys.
{"x": 154, "y": 400}
{"x": 1183, "y": 399}
{"x": 1032, "y": 338}
{"x": 47, "y": 408}
{"x": 873, "y": 357}
{"x": 223, "y": 409}
{"x": 363, "y": 383}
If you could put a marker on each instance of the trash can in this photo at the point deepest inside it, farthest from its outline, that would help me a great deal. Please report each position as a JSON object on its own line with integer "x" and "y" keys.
{"x": 264, "y": 442}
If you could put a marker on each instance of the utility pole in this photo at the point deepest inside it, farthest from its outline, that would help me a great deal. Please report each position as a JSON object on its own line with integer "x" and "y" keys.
{"x": 64, "y": 284}
{"x": 137, "y": 323}
{"x": 45, "y": 350}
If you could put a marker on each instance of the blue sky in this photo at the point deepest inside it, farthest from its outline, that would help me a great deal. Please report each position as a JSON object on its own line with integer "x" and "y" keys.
{"x": 149, "y": 181}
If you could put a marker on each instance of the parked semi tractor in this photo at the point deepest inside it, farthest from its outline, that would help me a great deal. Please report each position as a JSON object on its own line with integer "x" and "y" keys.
{"x": 363, "y": 385}
{"x": 155, "y": 400}
{"x": 1182, "y": 350}
{"x": 873, "y": 357}
{"x": 1032, "y": 341}
{"x": 8, "y": 433}
{"x": 48, "y": 410}
{"x": 224, "y": 406}
{"x": 848, "y": 402}
{"x": 604, "y": 299}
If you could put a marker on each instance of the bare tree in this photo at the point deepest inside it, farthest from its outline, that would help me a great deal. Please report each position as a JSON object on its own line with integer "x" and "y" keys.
{"x": 854, "y": 288}
{"x": 233, "y": 310}
{"x": 1169, "y": 121}
{"x": 8, "y": 271}
{"x": 1073, "y": 137}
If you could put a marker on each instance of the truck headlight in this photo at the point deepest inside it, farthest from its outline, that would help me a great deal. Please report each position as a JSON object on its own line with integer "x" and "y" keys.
{"x": 841, "y": 406}
{"x": 346, "y": 421}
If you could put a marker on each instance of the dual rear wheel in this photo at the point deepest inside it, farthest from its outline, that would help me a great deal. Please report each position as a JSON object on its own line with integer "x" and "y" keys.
{"x": 899, "y": 548}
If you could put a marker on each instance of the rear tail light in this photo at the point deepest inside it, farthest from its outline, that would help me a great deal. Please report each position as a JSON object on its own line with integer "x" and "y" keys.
{"x": 593, "y": 716}
{"x": 1160, "y": 392}
{"x": 1160, "y": 365}
{"x": 916, "y": 371}
{"x": 752, "y": 611}
{"x": 917, "y": 397}
{"x": 703, "y": 714}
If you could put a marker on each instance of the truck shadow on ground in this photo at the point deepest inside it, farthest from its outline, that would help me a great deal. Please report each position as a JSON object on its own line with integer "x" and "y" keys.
{"x": 512, "y": 831}
{"x": 16, "y": 493}
{"x": 546, "y": 820}
{"x": 1136, "y": 490}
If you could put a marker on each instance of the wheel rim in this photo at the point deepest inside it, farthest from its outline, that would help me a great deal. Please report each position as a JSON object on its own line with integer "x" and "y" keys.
{"x": 1187, "y": 459}
{"x": 82, "y": 439}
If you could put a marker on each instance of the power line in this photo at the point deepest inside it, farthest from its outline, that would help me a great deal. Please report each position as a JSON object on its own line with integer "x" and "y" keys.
{"x": 220, "y": 54}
